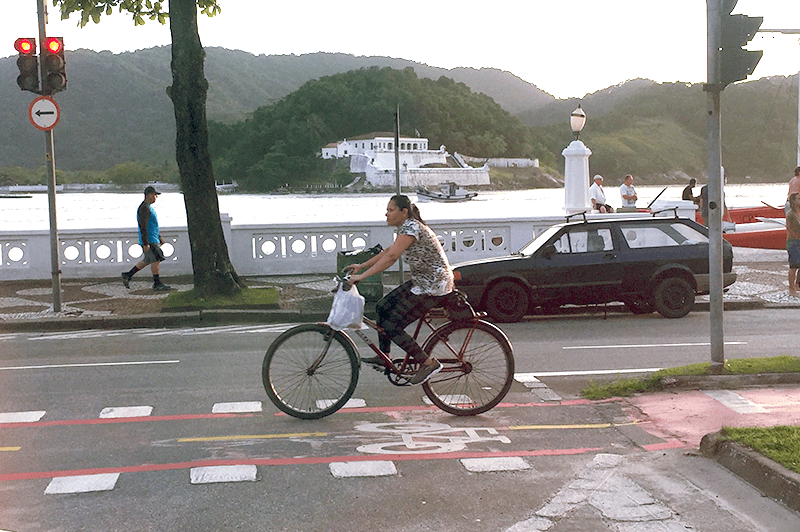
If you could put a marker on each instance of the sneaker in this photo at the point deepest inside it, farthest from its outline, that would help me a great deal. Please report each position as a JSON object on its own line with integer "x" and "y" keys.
{"x": 126, "y": 279}
{"x": 161, "y": 287}
{"x": 426, "y": 372}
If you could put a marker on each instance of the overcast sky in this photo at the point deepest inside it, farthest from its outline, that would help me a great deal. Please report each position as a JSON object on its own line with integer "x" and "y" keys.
{"x": 567, "y": 48}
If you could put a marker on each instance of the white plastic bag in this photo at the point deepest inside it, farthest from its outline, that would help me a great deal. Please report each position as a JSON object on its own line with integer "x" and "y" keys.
{"x": 347, "y": 310}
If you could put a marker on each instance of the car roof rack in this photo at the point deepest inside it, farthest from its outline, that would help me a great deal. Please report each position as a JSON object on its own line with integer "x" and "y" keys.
{"x": 582, "y": 213}
{"x": 673, "y": 209}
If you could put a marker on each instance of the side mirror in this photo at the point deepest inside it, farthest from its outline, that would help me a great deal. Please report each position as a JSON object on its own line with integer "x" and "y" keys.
{"x": 548, "y": 251}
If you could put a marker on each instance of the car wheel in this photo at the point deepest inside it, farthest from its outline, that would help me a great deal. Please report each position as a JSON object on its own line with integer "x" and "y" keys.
{"x": 507, "y": 301}
{"x": 640, "y": 304}
{"x": 673, "y": 297}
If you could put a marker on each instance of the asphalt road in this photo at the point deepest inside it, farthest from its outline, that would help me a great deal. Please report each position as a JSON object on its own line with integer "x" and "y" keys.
{"x": 137, "y": 415}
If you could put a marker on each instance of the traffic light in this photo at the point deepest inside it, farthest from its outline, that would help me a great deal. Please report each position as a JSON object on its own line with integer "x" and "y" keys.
{"x": 54, "y": 73}
{"x": 735, "y": 62}
{"x": 28, "y": 63}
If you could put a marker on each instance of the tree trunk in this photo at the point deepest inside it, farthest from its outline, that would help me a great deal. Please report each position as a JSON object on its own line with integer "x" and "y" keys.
{"x": 213, "y": 271}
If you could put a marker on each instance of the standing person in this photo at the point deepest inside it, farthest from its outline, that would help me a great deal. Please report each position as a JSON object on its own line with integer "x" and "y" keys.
{"x": 150, "y": 240}
{"x": 703, "y": 202}
{"x": 598, "y": 195}
{"x": 793, "y": 241}
{"x": 628, "y": 193}
{"x": 431, "y": 280}
{"x": 794, "y": 187}
{"x": 688, "y": 192}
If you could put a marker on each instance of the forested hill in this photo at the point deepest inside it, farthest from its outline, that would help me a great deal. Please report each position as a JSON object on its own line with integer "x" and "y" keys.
{"x": 279, "y": 143}
{"x": 116, "y": 109}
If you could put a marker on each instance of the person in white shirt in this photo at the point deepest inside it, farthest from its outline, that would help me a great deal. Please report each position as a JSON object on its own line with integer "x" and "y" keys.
{"x": 598, "y": 196}
{"x": 628, "y": 193}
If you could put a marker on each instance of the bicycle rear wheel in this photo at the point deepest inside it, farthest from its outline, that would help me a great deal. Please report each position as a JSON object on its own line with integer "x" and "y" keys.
{"x": 482, "y": 376}
{"x": 310, "y": 371}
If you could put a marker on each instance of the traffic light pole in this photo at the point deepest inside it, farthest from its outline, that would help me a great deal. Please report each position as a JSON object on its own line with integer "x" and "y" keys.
{"x": 714, "y": 145}
{"x": 50, "y": 160}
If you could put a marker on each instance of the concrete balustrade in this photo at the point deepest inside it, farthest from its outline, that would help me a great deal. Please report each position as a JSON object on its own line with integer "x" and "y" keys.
{"x": 279, "y": 249}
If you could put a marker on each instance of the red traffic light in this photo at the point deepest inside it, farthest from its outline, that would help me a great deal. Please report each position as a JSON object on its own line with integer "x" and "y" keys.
{"x": 54, "y": 45}
{"x": 25, "y": 45}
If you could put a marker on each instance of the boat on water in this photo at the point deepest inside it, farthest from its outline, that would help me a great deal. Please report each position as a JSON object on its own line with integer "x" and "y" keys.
{"x": 449, "y": 193}
{"x": 761, "y": 227}
{"x": 226, "y": 188}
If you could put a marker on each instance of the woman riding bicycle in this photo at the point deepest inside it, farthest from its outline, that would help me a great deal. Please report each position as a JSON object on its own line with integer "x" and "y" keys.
{"x": 431, "y": 280}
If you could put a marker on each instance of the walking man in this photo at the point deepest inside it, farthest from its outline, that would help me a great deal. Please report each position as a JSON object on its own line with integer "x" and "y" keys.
{"x": 150, "y": 240}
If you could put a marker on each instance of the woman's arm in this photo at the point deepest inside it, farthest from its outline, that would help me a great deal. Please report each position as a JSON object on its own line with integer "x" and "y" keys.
{"x": 385, "y": 258}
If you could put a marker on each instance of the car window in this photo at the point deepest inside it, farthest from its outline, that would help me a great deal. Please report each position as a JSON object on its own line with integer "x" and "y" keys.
{"x": 580, "y": 240}
{"x": 661, "y": 235}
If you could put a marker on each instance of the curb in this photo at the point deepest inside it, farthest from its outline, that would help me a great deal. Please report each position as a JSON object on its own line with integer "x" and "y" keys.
{"x": 769, "y": 477}
{"x": 165, "y": 319}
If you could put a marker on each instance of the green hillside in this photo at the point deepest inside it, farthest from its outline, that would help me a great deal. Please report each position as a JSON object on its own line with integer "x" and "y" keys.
{"x": 279, "y": 143}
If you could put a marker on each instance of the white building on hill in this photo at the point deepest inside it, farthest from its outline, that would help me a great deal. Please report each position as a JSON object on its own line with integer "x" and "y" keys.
{"x": 374, "y": 155}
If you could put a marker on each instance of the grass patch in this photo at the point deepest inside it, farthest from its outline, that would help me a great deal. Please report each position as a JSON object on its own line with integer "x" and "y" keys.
{"x": 656, "y": 381}
{"x": 781, "y": 443}
{"x": 247, "y": 298}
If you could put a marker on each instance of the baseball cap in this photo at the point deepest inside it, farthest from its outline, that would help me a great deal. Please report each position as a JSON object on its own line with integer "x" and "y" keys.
{"x": 598, "y": 176}
{"x": 151, "y": 190}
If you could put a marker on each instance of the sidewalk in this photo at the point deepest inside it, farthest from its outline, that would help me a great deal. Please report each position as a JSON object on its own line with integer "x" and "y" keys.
{"x": 105, "y": 303}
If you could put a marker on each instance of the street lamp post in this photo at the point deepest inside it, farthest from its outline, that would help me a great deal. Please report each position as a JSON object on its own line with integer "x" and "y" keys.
{"x": 576, "y": 168}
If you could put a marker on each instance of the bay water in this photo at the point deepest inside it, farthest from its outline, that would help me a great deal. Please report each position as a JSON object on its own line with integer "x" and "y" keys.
{"x": 98, "y": 211}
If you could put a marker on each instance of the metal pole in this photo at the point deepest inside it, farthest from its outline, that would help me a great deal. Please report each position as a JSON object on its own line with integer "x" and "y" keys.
{"x": 714, "y": 142}
{"x": 397, "y": 149}
{"x": 50, "y": 160}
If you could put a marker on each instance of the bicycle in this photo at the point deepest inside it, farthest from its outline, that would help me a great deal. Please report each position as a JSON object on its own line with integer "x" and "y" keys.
{"x": 310, "y": 371}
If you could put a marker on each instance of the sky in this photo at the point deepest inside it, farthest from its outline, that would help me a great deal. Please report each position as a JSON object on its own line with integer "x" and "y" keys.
{"x": 566, "y": 48}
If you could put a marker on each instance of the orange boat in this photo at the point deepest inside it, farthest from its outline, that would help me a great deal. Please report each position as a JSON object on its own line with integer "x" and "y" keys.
{"x": 760, "y": 227}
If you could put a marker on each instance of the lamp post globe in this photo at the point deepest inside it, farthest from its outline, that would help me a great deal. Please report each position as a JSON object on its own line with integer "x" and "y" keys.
{"x": 576, "y": 121}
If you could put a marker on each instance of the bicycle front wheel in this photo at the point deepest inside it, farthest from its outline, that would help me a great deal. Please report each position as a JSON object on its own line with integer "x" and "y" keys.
{"x": 310, "y": 371}
{"x": 478, "y": 367}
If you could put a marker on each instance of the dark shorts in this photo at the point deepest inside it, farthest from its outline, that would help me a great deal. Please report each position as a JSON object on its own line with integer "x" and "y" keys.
{"x": 153, "y": 254}
{"x": 793, "y": 247}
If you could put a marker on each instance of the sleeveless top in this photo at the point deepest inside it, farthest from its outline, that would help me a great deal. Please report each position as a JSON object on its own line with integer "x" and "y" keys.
{"x": 430, "y": 271}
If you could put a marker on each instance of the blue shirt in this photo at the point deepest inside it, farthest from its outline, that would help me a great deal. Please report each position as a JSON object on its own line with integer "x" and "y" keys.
{"x": 148, "y": 224}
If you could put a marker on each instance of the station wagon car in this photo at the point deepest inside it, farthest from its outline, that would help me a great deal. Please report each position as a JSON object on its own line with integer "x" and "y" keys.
{"x": 646, "y": 263}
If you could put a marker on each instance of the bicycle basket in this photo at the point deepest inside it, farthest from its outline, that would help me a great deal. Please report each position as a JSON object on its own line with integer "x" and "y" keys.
{"x": 457, "y": 307}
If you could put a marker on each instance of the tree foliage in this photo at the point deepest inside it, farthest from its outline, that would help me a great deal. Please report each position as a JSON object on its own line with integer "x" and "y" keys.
{"x": 279, "y": 143}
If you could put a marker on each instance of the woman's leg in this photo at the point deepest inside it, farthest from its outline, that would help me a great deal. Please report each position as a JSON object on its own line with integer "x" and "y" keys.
{"x": 396, "y": 311}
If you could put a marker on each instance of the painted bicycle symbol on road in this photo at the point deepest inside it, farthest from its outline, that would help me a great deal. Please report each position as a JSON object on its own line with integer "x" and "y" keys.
{"x": 421, "y": 438}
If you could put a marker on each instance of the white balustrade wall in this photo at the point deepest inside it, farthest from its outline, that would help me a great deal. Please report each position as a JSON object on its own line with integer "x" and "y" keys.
{"x": 277, "y": 249}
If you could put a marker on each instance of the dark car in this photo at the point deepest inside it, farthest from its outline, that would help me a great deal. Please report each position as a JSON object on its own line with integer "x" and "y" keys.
{"x": 646, "y": 263}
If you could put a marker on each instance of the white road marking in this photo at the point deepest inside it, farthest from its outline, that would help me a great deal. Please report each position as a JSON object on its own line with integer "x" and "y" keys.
{"x": 537, "y": 387}
{"x": 93, "y": 365}
{"x": 502, "y": 463}
{"x": 114, "y": 412}
{"x": 351, "y": 403}
{"x": 459, "y": 399}
{"x": 379, "y": 468}
{"x": 735, "y": 402}
{"x": 82, "y": 483}
{"x": 623, "y": 504}
{"x": 236, "y": 408}
{"x": 22, "y": 417}
{"x": 214, "y": 474}
{"x": 641, "y": 346}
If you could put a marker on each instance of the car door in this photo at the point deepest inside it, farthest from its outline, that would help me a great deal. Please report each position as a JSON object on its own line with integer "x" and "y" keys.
{"x": 583, "y": 269}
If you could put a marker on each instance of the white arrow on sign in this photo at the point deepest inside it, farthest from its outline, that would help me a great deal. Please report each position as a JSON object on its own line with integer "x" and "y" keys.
{"x": 44, "y": 113}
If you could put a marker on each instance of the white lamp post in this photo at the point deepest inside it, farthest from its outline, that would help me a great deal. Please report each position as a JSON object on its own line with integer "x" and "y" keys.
{"x": 576, "y": 168}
